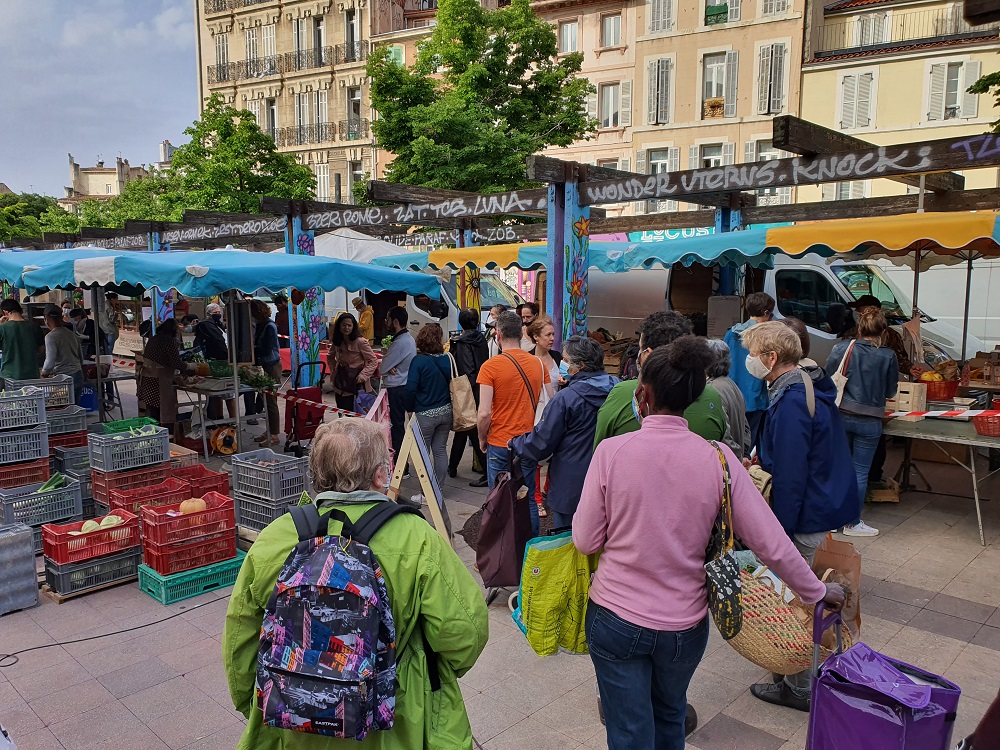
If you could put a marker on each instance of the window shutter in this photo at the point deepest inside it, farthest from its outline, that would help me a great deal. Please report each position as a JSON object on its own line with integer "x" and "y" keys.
{"x": 857, "y": 189}
{"x": 777, "y": 77}
{"x": 850, "y": 101}
{"x": 769, "y": 7}
{"x": 750, "y": 152}
{"x": 267, "y": 40}
{"x": 734, "y": 10}
{"x": 639, "y": 207}
{"x": 667, "y": 15}
{"x": 694, "y": 157}
{"x": 655, "y": 15}
{"x": 935, "y": 100}
{"x": 592, "y": 105}
{"x": 764, "y": 80}
{"x": 625, "y": 164}
{"x": 640, "y": 167}
{"x": 829, "y": 191}
{"x": 673, "y": 159}
{"x": 663, "y": 90}
{"x": 321, "y": 108}
{"x": 864, "y": 31}
{"x": 970, "y": 102}
{"x": 652, "y": 92}
{"x": 732, "y": 77}
{"x": 625, "y": 105}
{"x": 728, "y": 153}
{"x": 863, "y": 104}
{"x": 251, "y": 43}
{"x": 784, "y": 196}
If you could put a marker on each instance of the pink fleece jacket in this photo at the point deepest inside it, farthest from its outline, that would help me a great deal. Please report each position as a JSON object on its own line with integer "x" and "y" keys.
{"x": 649, "y": 501}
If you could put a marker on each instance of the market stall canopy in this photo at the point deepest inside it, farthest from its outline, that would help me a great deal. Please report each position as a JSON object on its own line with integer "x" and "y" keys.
{"x": 199, "y": 273}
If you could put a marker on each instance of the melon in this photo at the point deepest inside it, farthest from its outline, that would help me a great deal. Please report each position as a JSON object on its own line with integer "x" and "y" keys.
{"x": 89, "y": 526}
{"x": 109, "y": 521}
{"x": 194, "y": 505}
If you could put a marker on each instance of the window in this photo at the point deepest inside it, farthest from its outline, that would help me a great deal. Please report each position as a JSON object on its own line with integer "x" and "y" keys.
{"x": 948, "y": 98}
{"x": 271, "y": 116}
{"x": 322, "y": 181}
{"x": 608, "y": 163}
{"x": 355, "y": 176}
{"x": 108, "y": 188}
{"x": 302, "y": 121}
{"x": 856, "y": 100}
{"x": 843, "y": 191}
{"x": 871, "y": 29}
{"x": 321, "y": 102}
{"x": 568, "y": 37}
{"x": 719, "y": 77}
{"x": 610, "y": 103}
{"x": 252, "y": 44}
{"x": 715, "y": 75}
{"x": 774, "y": 7}
{"x": 765, "y": 151}
{"x": 397, "y": 54}
{"x": 319, "y": 32}
{"x": 661, "y": 15}
{"x": 721, "y": 11}
{"x": 300, "y": 34}
{"x": 771, "y": 79}
{"x": 353, "y": 113}
{"x": 350, "y": 32}
{"x": 268, "y": 46}
{"x": 658, "y": 82}
{"x": 663, "y": 160}
{"x": 865, "y": 279}
{"x": 253, "y": 106}
{"x": 611, "y": 30}
{"x": 222, "y": 51}
{"x": 810, "y": 297}
{"x": 711, "y": 156}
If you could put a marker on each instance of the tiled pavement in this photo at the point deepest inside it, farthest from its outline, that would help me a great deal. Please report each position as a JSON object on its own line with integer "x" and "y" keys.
{"x": 931, "y": 597}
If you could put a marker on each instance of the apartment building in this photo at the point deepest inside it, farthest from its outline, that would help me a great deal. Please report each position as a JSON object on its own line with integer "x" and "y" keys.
{"x": 897, "y": 71}
{"x": 99, "y": 182}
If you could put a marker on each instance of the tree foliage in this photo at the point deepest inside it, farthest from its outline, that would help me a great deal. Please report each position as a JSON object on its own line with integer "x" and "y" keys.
{"x": 989, "y": 84}
{"x": 487, "y": 90}
{"x": 30, "y": 214}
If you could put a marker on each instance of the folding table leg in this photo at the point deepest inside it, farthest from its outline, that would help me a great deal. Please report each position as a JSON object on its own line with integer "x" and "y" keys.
{"x": 975, "y": 492}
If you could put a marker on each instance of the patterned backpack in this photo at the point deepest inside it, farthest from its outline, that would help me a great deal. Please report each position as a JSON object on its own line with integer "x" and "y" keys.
{"x": 327, "y": 659}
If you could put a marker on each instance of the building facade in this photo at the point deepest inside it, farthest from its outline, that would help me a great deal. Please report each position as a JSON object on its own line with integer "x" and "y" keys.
{"x": 98, "y": 182}
{"x": 896, "y": 71}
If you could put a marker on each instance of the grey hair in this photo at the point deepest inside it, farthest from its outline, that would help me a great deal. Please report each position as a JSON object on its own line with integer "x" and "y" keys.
{"x": 720, "y": 368}
{"x": 585, "y": 353}
{"x": 346, "y": 454}
{"x": 509, "y": 325}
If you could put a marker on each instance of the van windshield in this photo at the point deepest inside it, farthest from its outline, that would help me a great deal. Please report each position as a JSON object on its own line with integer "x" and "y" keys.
{"x": 863, "y": 278}
{"x": 492, "y": 291}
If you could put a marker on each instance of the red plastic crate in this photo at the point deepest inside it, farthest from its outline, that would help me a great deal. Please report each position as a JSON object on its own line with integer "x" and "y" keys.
{"x": 938, "y": 390}
{"x": 62, "y": 547}
{"x": 69, "y": 440}
{"x": 177, "y": 558}
{"x": 18, "y": 475}
{"x": 164, "y": 524}
{"x": 168, "y": 492}
{"x": 106, "y": 481}
{"x": 203, "y": 480}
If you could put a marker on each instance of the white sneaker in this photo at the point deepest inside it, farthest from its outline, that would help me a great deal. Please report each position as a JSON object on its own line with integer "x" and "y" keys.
{"x": 418, "y": 500}
{"x": 860, "y": 529}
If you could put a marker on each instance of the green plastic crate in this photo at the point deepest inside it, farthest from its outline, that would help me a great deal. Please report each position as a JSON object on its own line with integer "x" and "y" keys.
{"x": 170, "y": 589}
{"x": 124, "y": 425}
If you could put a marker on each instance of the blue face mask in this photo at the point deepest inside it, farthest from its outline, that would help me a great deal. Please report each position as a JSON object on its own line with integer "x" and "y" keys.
{"x": 635, "y": 410}
{"x": 564, "y": 369}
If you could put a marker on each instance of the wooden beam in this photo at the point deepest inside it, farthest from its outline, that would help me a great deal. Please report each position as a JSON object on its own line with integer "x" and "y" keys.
{"x": 982, "y": 11}
{"x": 809, "y": 139}
{"x": 115, "y": 239}
{"x": 252, "y": 228}
{"x": 652, "y": 222}
{"x": 59, "y": 237}
{"x": 965, "y": 152}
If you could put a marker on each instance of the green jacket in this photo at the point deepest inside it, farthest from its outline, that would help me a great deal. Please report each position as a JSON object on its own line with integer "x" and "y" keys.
{"x": 705, "y": 416}
{"x": 429, "y": 587}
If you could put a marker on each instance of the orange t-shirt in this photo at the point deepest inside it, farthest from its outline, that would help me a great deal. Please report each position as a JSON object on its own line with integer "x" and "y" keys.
{"x": 513, "y": 406}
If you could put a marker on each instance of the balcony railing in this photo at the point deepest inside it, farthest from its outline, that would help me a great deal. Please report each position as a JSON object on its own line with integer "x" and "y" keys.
{"x": 353, "y": 129}
{"x": 878, "y": 30}
{"x": 302, "y": 135}
{"x": 351, "y": 52}
{"x": 289, "y": 62}
{"x": 221, "y": 6}
{"x": 716, "y": 14}
{"x": 307, "y": 59}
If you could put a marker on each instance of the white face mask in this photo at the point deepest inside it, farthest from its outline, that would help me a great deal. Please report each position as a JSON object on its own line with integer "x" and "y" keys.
{"x": 757, "y": 368}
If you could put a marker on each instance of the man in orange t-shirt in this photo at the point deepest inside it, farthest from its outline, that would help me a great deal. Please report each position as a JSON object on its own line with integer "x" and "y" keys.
{"x": 507, "y": 401}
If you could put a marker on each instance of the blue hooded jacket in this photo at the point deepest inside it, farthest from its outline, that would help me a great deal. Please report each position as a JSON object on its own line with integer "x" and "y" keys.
{"x": 566, "y": 434}
{"x": 753, "y": 389}
{"x": 814, "y": 487}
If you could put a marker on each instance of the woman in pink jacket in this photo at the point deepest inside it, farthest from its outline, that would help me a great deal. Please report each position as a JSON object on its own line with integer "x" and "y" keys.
{"x": 351, "y": 361}
{"x": 647, "y": 622}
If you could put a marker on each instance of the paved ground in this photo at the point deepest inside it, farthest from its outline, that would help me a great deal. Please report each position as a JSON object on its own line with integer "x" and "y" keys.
{"x": 930, "y": 598}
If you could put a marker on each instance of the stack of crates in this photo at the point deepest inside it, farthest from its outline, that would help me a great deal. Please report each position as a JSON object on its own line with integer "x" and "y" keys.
{"x": 120, "y": 461}
{"x": 67, "y": 427}
{"x": 57, "y": 393}
{"x": 265, "y": 483}
{"x": 75, "y": 464}
{"x": 17, "y": 568}
{"x": 76, "y": 562}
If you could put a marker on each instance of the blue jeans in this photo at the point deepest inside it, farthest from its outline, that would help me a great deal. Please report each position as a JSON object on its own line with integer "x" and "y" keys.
{"x": 561, "y": 520}
{"x": 498, "y": 460}
{"x": 644, "y": 675}
{"x": 863, "y": 435}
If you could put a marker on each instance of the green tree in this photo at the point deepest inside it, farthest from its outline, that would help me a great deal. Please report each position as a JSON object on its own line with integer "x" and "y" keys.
{"x": 30, "y": 214}
{"x": 989, "y": 84}
{"x": 155, "y": 197}
{"x": 487, "y": 90}
{"x": 57, "y": 219}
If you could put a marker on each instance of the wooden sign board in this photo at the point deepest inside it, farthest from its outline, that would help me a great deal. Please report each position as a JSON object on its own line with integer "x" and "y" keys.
{"x": 415, "y": 450}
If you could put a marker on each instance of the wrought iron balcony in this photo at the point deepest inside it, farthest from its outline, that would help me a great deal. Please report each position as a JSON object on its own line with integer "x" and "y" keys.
{"x": 306, "y": 59}
{"x": 261, "y": 67}
{"x": 351, "y": 52}
{"x": 303, "y": 135}
{"x": 353, "y": 129}
{"x": 221, "y": 6}
{"x": 878, "y": 30}
{"x": 224, "y": 73}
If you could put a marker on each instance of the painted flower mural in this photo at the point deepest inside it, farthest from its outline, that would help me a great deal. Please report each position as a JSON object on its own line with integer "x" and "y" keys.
{"x": 576, "y": 262}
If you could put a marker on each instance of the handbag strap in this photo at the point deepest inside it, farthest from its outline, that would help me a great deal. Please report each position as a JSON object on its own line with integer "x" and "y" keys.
{"x": 454, "y": 366}
{"x": 531, "y": 391}
{"x": 726, "y": 509}
{"x": 846, "y": 361}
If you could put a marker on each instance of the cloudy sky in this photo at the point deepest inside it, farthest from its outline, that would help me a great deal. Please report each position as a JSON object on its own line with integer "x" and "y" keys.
{"x": 91, "y": 77}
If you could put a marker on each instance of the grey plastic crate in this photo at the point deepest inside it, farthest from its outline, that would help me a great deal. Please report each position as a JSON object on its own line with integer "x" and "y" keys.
{"x": 282, "y": 479}
{"x": 86, "y": 483}
{"x": 101, "y": 509}
{"x": 23, "y": 407}
{"x": 74, "y": 578}
{"x": 89, "y": 511}
{"x": 120, "y": 451}
{"x": 74, "y": 460}
{"x": 29, "y": 506}
{"x": 58, "y": 389}
{"x": 36, "y": 531}
{"x": 66, "y": 420}
{"x": 253, "y": 513}
{"x": 18, "y": 446}
{"x": 17, "y": 568}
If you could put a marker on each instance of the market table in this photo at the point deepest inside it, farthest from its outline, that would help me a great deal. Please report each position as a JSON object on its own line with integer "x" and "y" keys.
{"x": 215, "y": 388}
{"x": 114, "y": 376}
{"x": 938, "y": 431}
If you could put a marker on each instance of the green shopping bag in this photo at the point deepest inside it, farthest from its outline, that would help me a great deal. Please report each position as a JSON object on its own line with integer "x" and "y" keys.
{"x": 552, "y": 598}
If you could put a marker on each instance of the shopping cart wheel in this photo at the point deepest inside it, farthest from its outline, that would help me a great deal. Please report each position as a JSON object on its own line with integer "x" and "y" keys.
{"x": 512, "y": 602}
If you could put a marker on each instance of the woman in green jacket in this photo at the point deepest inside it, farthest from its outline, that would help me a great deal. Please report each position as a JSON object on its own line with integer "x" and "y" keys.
{"x": 429, "y": 587}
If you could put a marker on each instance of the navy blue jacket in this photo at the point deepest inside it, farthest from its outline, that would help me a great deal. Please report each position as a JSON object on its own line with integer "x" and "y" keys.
{"x": 814, "y": 487}
{"x": 566, "y": 434}
{"x": 427, "y": 382}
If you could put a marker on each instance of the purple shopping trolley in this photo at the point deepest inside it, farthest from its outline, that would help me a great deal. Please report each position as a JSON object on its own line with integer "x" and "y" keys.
{"x": 864, "y": 700}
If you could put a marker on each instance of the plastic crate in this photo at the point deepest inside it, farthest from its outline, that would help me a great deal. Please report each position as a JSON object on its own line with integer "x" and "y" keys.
{"x": 18, "y": 475}
{"x": 121, "y": 452}
{"x": 181, "y": 456}
{"x": 36, "y": 532}
{"x": 170, "y": 559}
{"x": 987, "y": 426}
{"x": 67, "y": 419}
{"x": 164, "y": 524}
{"x": 89, "y": 509}
{"x": 255, "y": 514}
{"x": 76, "y": 460}
{"x": 17, "y": 446}
{"x": 29, "y": 506}
{"x": 168, "y": 492}
{"x": 203, "y": 480}
{"x": 24, "y": 407}
{"x": 124, "y": 425}
{"x": 101, "y": 509}
{"x": 57, "y": 390}
{"x": 69, "y": 440}
{"x": 104, "y": 482}
{"x": 17, "y": 561}
{"x": 73, "y": 579}
{"x": 86, "y": 484}
{"x": 62, "y": 546}
{"x": 175, "y": 588}
{"x": 283, "y": 478}
{"x": 941, "y": 390}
